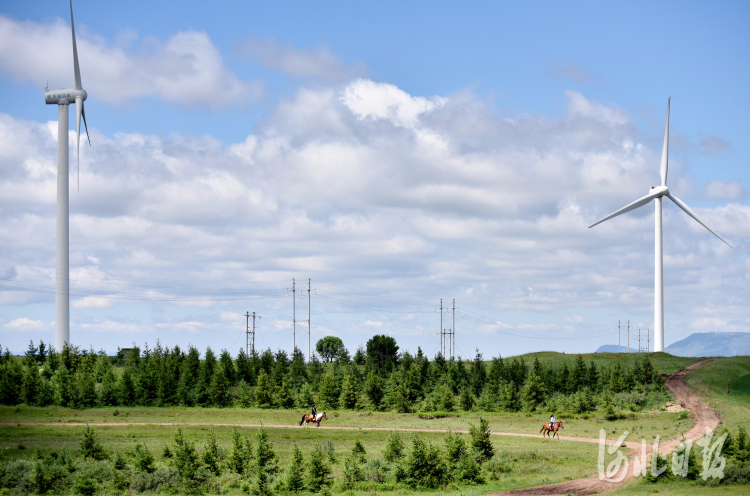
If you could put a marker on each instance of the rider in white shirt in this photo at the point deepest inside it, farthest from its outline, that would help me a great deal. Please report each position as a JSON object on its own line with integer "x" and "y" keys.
{"x": 552, "y": 422}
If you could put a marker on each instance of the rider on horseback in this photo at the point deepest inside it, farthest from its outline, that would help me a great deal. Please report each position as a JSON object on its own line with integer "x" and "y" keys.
{"x": 314, "y": 411}
{"x": 552, "y": 422}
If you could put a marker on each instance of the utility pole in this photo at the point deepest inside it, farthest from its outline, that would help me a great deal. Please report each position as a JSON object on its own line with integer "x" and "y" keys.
{"x": 294, "y": 316}
{"x": 618, "y": 336}
{"x": 639, "y": 341}
{"x": 247, "y": 333}
{"x": 648, "y": 340}
{"x": 308, "y": 320}
{"x": 442, "y": 331}
{"x": 453, "y": 331}
{"x": 628, "y": 336}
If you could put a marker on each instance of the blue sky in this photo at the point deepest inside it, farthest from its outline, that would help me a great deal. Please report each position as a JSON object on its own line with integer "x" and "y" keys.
{"x": 558, "y": 86}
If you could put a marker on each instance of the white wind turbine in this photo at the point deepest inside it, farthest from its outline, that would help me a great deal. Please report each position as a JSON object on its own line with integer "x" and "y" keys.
{"x": 63, "y": 98}
{"x": 656, "y": 194}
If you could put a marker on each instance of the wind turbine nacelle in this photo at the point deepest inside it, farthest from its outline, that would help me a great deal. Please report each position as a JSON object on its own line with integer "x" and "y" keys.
{"x": 63, "y": 97}
{"x": 658, "y": 191}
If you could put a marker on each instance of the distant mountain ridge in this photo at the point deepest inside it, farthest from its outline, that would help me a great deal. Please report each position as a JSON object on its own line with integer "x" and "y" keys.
{"x": 700, "y": 344}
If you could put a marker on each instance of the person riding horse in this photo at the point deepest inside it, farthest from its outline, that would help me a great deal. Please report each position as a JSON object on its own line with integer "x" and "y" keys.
{"x": 552, "y": 422}
{"x": 314, "y": 411}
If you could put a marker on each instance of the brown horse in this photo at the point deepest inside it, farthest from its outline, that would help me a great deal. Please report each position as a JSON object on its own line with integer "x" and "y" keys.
{"x": 307, "y": 418}
{"x": 547, "y": 429}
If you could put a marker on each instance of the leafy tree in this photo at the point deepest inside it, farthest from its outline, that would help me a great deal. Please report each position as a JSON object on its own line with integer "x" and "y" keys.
{"x": 330, "y": 348}
{"x": 11, "y": 376}
{"x": 382, "y": 351}
{"x": 90, "y": 445}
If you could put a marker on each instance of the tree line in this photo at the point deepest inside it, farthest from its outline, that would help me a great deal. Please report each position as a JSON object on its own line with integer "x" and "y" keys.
{"x": 377, "y": 377}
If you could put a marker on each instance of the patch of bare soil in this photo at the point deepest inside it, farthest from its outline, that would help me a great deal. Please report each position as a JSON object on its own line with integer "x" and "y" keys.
{"x": 704, "y": 417}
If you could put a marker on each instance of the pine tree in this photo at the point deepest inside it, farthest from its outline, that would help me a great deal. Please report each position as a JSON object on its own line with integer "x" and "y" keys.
{"x": 90, "y": 445}
{"x": 263, "y": 391}
{"x": 245, "y": 370}
{"x": 237, "y": 460}
{"x": 533, "y": 392}
{"x": 284, "y": 396}
{"x": 295, "y": 480}
{"x": 85, "y": 390}
{"x": 108, "y": 395}
{"x": 319, "y": 472}
{"x": 226, "y": 362}
{"x": 394, "y": 448}
{"x": 219, "y": 389}
{"x": 480, "y": 440}
{"x": 478, "y": 374}
{"x": 329, "y": 390}
{"x": 185, "y": 458}
{"x": 126, "y": 388}
{"x": 11, "y": 376}
{"x": 348, "y": 398}
{"x": 374, "y": 389}
{"x": 211, "y": 453}
{"x": 64, "y": 387}
{"x": 467, "y": 399}
{"x": 31, "y": 382}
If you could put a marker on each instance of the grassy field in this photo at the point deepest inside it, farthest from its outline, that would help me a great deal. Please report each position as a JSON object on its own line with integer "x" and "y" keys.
{"x": 713, "y": 380}
{"x": 642, "y": 425}
{"x": 532, "y": 461}
{"x": 664, "y": 363}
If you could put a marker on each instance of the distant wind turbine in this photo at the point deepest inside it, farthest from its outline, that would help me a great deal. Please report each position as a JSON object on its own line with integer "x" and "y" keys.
{"x": 63, "y": 98}
{"x": 657, "y": 193}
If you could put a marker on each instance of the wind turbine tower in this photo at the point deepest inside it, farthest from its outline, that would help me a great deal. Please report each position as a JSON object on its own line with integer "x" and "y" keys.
{"x": 62, "y": 98}
{"x": 656, "y": 194}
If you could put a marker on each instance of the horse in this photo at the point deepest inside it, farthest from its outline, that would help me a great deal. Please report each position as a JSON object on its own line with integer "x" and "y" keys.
{"x": 547, "y": 429}
{"x": 308, "y": 417}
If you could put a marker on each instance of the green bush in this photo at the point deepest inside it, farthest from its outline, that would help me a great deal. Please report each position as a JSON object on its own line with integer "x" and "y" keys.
{"x": 394, "y": 448}
{"x": 424, "y": 467}
{"x": 319, "y": 472}
{"x": 143, "y": 459}
{"x": 90, "y": 445}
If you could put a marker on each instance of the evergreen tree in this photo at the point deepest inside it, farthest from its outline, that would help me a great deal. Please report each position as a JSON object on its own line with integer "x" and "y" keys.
{"x": 126, "y": 387}
{"x": 424, "y": 466}
{"x": 295, "y": 480}
{"x": 226, "y": 362}
{"x": 31, "y": 352}
{"x": 31, "y": 381}
{"x": 266, "y": 463}
{"x": 108, "y": 394}
{"x": 374, "y": 389}
{"x": 238, "y": 459}
{"x": 509, "y": 397}
{"x": 394, "y": 448}
{"x": 298, "y": 371}
{"x": 185, "y": 458}
{"x": 65, "y": 392}
{"x": 360, "y": 357}
{"x": 330, "y": 390}
{"x": 284, "y": 397}
{"x": 85, "y": 390}
{"x": 533, "y": 392}
{"x": 211, "y": 453}
{"x": 11, "y": 377}
{"x": 578, "y": 375}
{"x": 144, "y": 460}
{"x": 478, "y": 374}
{"x": 219, "y": 388}
{"x": 319, "y": 472}
{"x": 263, "y": 391}
{"x": 467, "y": 399}
{"x": 90, "y": 445}
{"x": 245, "y": 370}
{"x": 480, "y": 440}
{"x": 348, "y": 398}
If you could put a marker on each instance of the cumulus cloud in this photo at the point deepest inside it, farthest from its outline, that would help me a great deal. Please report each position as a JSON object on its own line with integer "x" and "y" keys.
{"x": 186, "y": 69}
{"x": 319, "y": 63}
{"x": 719, "y": 190}
{"x": 408, "y": 197}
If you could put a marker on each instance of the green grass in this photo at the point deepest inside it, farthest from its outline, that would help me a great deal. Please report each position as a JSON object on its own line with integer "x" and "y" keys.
{"x": 712, "y": 381}
{"x": 533, "y": 461}
{"x": 679, "y": 489}
{"x": 664, "y": 363}
{"x": 641, "y": 425}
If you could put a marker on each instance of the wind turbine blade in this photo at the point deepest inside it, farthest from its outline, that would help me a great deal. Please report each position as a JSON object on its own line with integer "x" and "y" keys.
{"x": 665, "y": 149}
{"x": 79, "y": 111}
{"x": 83, "y": 114}
{"x": 76, "y": 70}
{"x": 692, "y": 214}
{"x": 627, "y": 208}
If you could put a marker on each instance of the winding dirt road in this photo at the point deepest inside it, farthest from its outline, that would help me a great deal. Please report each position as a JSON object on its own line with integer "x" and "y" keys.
{"x": 704, "y": 417}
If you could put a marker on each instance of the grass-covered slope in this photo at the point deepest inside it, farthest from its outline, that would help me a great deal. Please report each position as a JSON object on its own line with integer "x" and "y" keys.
{"x": 713, "y": 381}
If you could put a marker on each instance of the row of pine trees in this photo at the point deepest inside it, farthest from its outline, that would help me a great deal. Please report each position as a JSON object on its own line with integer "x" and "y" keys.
{"x": 378, "y": 378}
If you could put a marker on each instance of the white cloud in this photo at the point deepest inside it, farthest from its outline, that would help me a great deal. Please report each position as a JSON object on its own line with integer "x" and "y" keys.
{"x": 24, "y": 324}
{"x": 366, "y": 186}
{"x": 185, "y": 70}
{"x": 91, "y": 302}
{"x": 719, "y": 190}
{"x": 319, "y": 63}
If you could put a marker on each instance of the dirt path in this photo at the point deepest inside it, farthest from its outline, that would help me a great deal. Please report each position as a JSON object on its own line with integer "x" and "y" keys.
{"x": 704, "y": 417}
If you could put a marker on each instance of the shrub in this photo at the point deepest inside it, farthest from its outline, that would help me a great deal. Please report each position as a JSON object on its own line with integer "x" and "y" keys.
{"x": 353, "y": 472}
{"x": 85, "y": 486}
{"x": 185, "y": 458}
{"x": 424, "y": 467}
{"x": 119, "y": 462}
{"x": 480, "y": 440}
{"x": 162, "y": 479}
{"x": 144, "y": 460}
{"x": 296, "y": 472}
{"x": 211, "y": 454}
{"x": 319, "y": 472}
{"x": 394, "y": 449}
{"x": 376, "y": 471}
{"x": 90, "y": 445}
